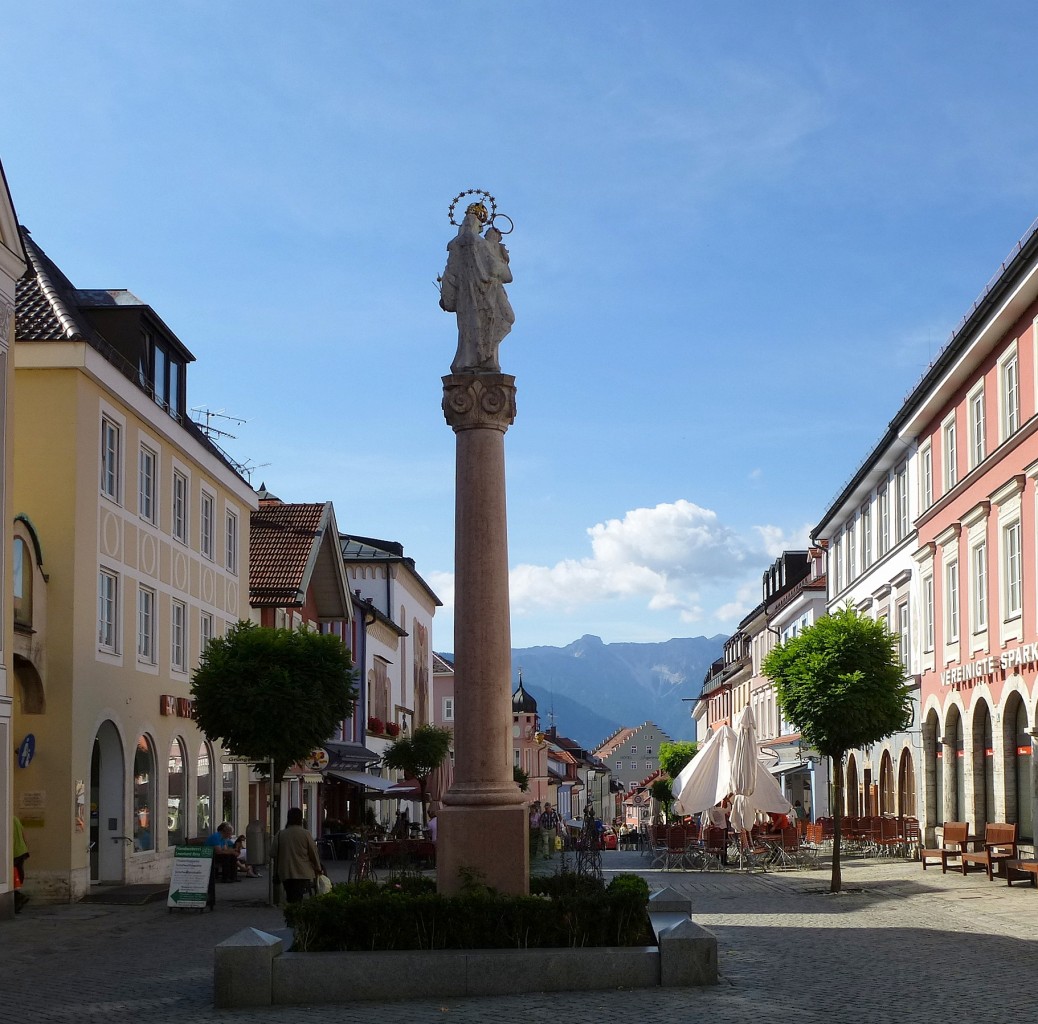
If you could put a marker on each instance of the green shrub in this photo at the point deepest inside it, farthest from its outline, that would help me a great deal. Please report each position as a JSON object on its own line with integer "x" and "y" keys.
{"x": 569, "y": 910}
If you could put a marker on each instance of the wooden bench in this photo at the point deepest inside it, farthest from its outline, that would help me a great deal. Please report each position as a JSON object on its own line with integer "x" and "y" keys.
{"x": 1027, "y": 868}
{"x": 952, "y": 845}
{"x": 999, "y": 847}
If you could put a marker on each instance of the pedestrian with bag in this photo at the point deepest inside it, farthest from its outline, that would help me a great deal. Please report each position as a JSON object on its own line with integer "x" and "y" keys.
{"x": 294, "y": 856}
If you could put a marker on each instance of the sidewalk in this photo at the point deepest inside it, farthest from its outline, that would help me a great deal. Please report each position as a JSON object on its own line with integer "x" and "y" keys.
{"x": 907, "y": 940}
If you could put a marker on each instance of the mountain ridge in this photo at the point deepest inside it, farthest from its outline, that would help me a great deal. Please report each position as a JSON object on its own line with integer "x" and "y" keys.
{"x": 589, "y": 688}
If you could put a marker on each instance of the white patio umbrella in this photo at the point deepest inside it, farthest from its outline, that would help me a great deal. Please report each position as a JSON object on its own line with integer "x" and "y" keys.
{"x": 706, "y": 779}
{"x": 752, "y": 786}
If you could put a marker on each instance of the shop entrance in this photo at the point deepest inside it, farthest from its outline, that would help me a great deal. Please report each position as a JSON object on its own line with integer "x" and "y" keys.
{"x": 107, "y": 774}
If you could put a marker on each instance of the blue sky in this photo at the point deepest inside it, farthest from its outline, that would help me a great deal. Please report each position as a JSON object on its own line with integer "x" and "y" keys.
{"x": 742, "y": 232}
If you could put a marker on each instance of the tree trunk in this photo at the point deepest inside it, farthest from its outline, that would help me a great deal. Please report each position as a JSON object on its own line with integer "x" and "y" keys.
{"x": 837, "y": 881}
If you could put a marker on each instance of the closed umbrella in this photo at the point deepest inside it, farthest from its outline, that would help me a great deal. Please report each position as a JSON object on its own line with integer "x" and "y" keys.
{"x": 744, "y": 770}
{"x": 752, "y": 785}
{"x": 706, "y": 779}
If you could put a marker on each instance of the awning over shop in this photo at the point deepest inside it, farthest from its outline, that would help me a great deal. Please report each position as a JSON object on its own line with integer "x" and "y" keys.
{"x": 405, "y": 789}
{"x": 363, "y": 779}
{"x": 787, "y": 767}
{"x": 350, "y": 755}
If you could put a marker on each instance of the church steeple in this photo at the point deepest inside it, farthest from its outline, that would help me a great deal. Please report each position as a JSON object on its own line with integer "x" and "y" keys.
{"x": 522, "y": 702}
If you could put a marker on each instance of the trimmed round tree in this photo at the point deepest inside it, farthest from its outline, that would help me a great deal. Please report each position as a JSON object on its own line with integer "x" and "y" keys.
{"x": 842, "y": 684}
{"x": 273, "y": 694}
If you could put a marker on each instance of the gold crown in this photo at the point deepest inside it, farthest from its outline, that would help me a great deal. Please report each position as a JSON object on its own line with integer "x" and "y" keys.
{"x": 479, "y": 210}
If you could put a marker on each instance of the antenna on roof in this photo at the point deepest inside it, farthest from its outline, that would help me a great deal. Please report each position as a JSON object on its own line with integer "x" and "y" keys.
{"x": 207, "y": 426}
{"x": 212, "y": 433}
{"x": 246, "y": 470}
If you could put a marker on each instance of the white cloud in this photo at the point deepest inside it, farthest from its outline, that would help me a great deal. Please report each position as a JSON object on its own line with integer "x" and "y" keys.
{"x": 676, "y": 560}
{"x": 776, "y": 540}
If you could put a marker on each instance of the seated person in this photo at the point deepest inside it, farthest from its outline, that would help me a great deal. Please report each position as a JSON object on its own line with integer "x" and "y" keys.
{"x": 225, "y": 857}
{"x": 244, "y": 868}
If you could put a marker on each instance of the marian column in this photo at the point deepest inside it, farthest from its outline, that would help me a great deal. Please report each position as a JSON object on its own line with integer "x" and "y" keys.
{"x": 483, "y": 824}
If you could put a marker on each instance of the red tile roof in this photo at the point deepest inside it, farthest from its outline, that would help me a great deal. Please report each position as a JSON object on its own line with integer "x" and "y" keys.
{"x": 282, "y": 545}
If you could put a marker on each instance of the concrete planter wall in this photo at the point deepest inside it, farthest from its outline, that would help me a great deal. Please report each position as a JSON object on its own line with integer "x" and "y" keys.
{"x": 252, "y": 968}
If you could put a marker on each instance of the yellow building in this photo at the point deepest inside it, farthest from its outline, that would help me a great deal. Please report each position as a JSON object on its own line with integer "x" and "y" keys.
{"x": 12, "y": 266}
{"x": 134, "y": 540}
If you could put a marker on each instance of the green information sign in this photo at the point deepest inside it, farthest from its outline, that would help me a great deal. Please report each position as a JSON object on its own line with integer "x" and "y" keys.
{"x": 189, "y": 883}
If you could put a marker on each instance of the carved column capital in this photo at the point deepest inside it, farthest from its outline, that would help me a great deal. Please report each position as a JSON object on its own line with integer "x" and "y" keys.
{"x": 479, "y": 400}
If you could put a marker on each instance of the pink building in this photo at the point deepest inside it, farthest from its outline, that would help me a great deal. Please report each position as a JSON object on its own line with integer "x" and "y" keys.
{"x": 974, "y": 419}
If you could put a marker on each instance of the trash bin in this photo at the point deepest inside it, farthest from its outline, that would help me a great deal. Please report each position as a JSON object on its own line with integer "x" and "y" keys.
{"x": 257, "y": 845}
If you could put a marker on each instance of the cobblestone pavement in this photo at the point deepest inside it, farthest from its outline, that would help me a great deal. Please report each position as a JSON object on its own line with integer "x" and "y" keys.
{"x": 902, "y": 941}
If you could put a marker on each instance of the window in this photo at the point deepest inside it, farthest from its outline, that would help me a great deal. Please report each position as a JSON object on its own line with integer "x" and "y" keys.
{"x": 903, "y": 518}
{"x": 648, "y": 751}
{"x": 107, "y": 611}
{"x": 948, "y": 454}
{"x": 852, "y": 554}
{"x": 619, "y": 766}
{"x": 144, "y": 796}
{"x": 22, "y": 568}
{"x": 866, "y": 536}
{"x": 176, "y": 795}
{"x": 928, "y": 639}
{"x": 925, "y": 476}
{"x": 205, "y": 631}
{"x": 111, "y": 457}
{"x": 837, "y": 563}
{"x": 448, "y": 709}
{"x": 977, "y": 432}
{"x": 634, "y": 749}
{"x": 179, "y": 506}
{"x": 146, "y": 625}
{"x": 904, "y": 646}
{"x": 951, "y": 602}
{"x": 167, "y": 374}
{"x": 1012, "y": 571}
{"x": 232, "y": 542}
{"x": 204, "y": 791}
{"x": 1009, "y": 375}
{"x": 206, "y": 525}
{"x": 883, "y": 527}
{"x": 146, "y": 484}
{"x": 979, "y": 587}
{"x": 178, "y": 644}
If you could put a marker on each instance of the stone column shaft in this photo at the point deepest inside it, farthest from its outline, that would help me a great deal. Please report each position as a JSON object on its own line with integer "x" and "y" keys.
{"x": 483, "y": 821}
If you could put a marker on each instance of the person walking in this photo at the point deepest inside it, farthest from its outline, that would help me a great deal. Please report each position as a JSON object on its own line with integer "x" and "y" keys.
{"x": 295, "y": 859}
{"x": 550, "y": 824}
{"x": 21, "y": 855}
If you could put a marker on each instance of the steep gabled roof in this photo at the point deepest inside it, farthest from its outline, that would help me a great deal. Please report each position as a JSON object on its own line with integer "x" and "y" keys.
{"x": 46, "y": 309}
{"x": 293, "y": 549}
{"x": 618, "y": 738}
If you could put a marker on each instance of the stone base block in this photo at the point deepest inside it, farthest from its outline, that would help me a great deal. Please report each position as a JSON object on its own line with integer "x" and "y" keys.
{"x": 491, "y": 842}
{"x": 243, "y": 968}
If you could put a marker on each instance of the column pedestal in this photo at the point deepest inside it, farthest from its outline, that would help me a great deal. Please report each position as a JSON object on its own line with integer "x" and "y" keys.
{"x": 483, "y": 823}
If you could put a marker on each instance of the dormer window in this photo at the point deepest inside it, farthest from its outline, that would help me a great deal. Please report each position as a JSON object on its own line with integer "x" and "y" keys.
{"x": 166, "y": 377}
